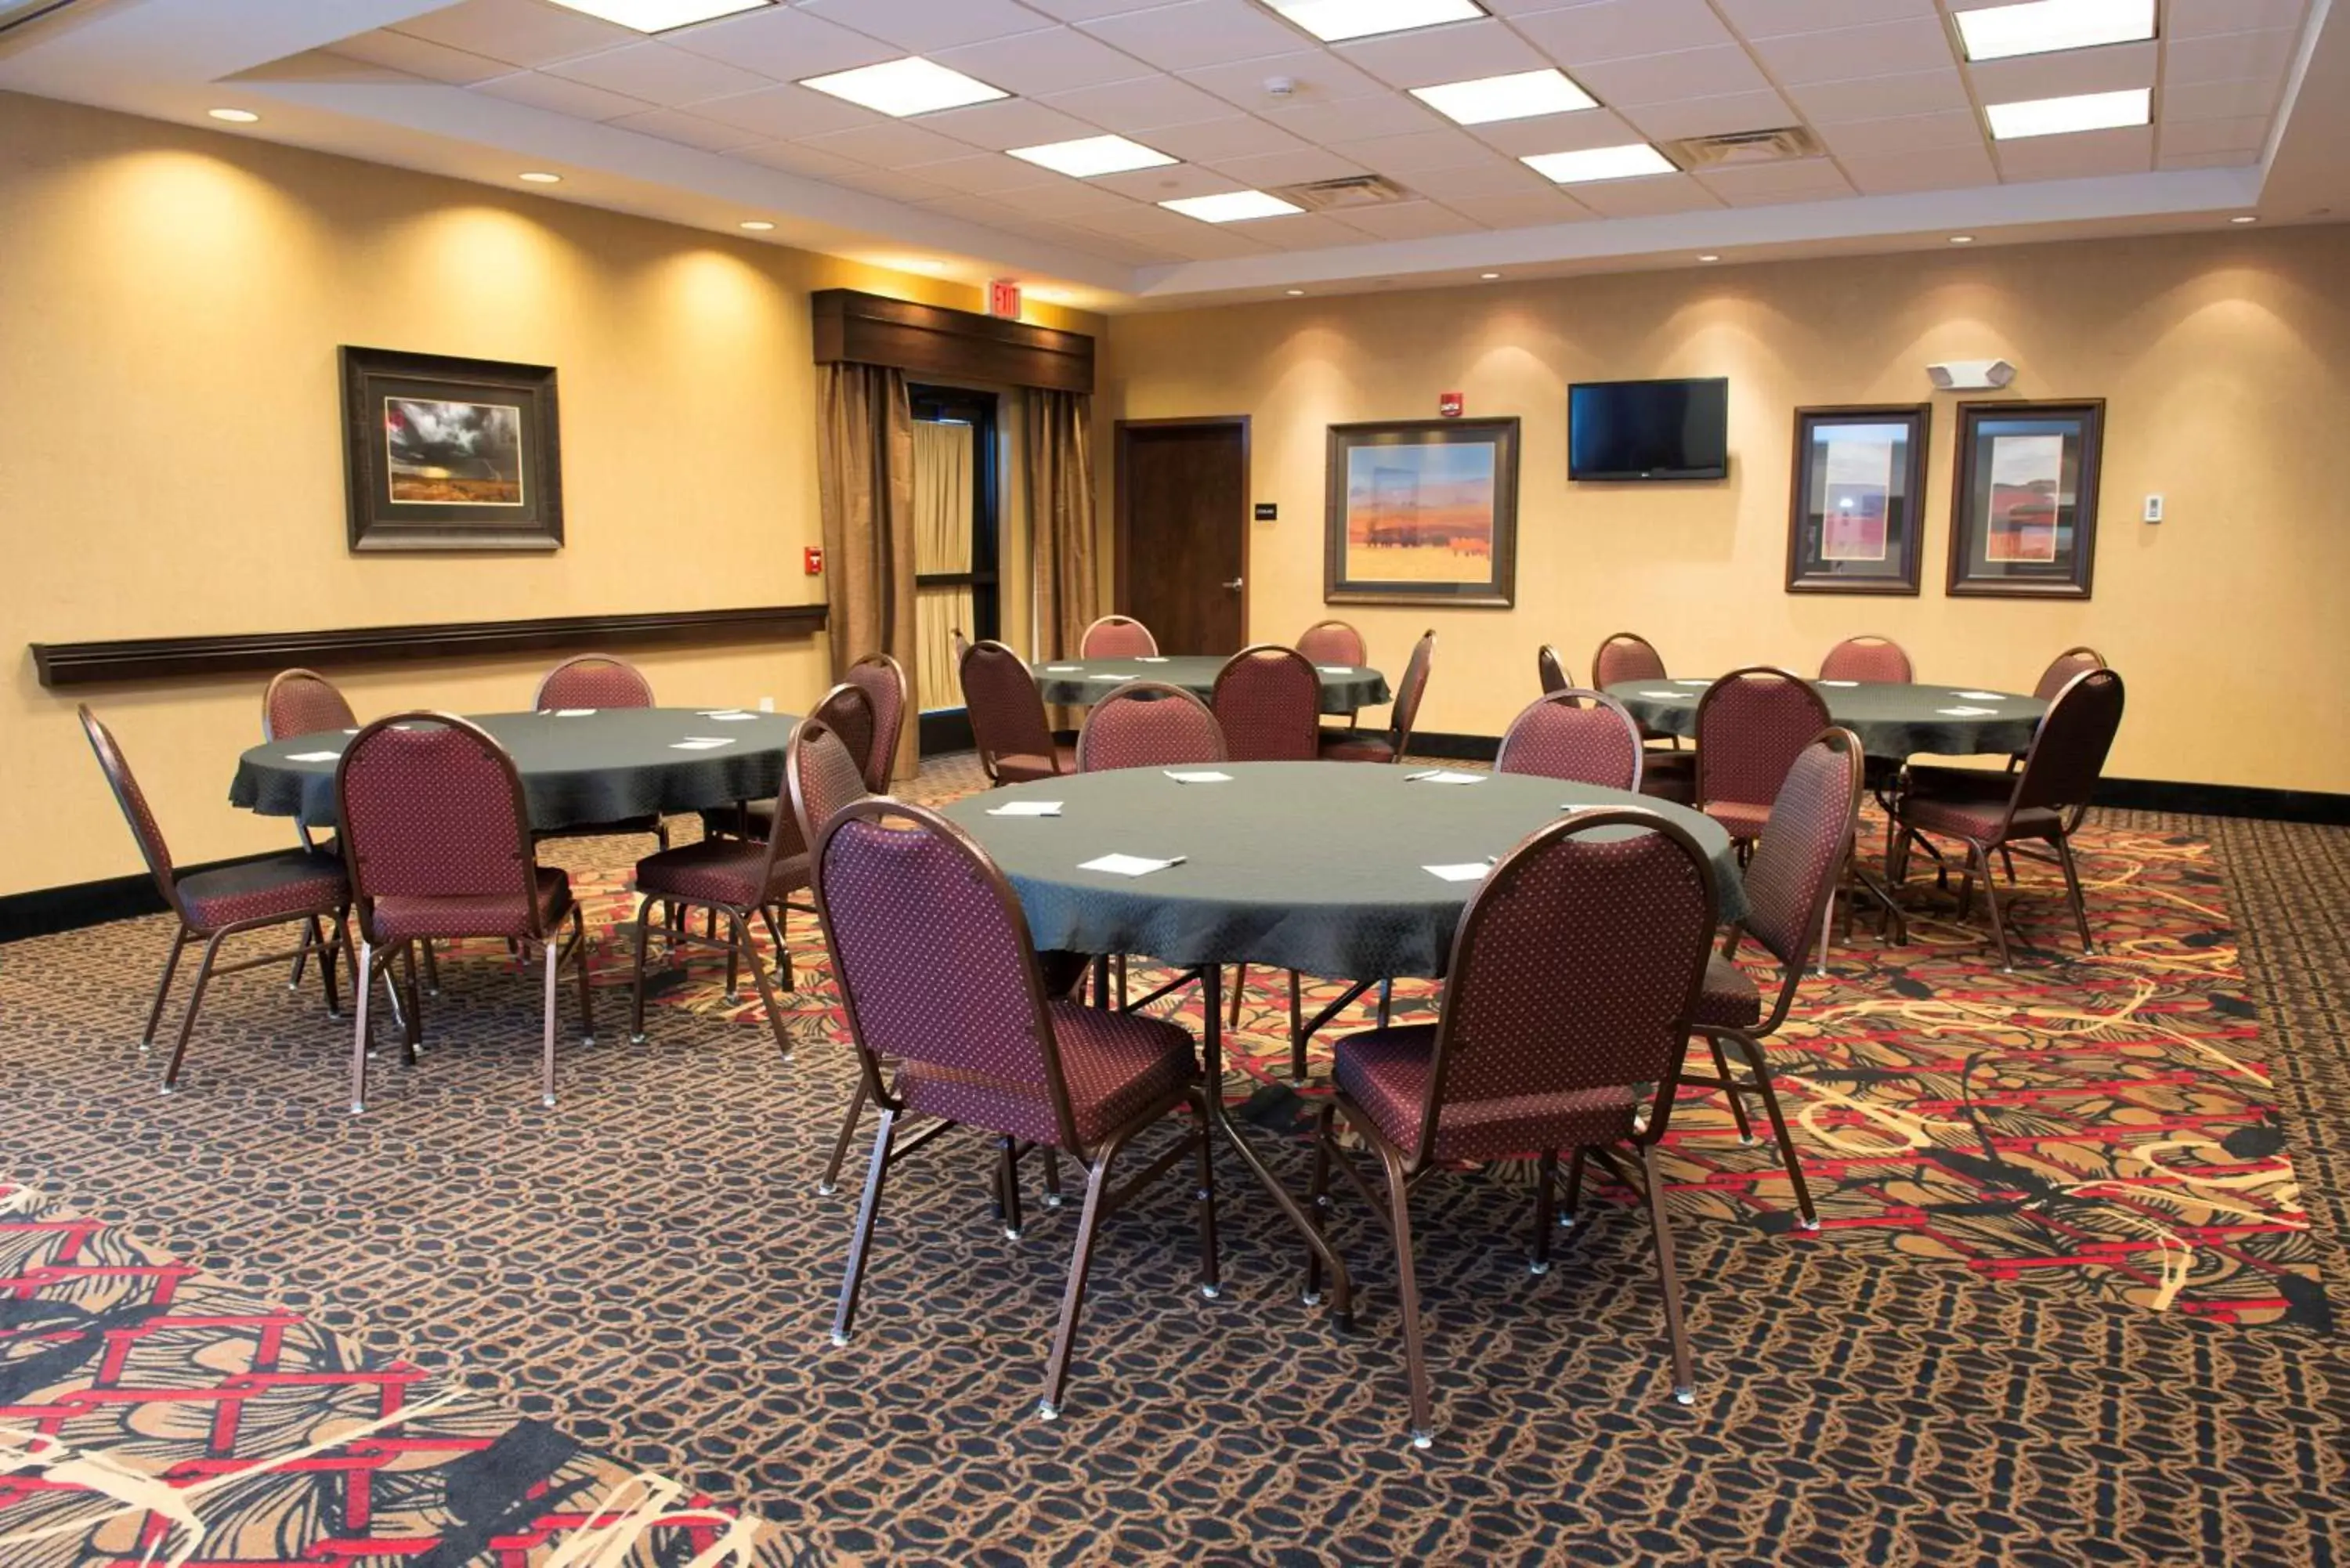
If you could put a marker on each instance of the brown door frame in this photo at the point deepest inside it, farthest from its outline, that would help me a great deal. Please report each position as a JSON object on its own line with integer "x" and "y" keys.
{"x": 1121, "y": 600}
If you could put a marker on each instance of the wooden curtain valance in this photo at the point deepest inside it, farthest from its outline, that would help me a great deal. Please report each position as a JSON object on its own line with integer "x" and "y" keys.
{"x": 957, "y": 347}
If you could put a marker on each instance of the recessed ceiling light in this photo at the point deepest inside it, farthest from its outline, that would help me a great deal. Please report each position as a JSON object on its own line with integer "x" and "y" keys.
{"x": 1295, "y": 293}
{"x": 756, "y": 225}
{"x": 1519, "y": 96}
{"x": 2044, "y": 25}
{"x": 233, "y": 116}
{"x": 1091, "y": 155}
{"x": 660, "y": 16}
{"x": 1624, "y": 162}
{"x": 2246, "y": 218}
{"x": 1333, "y": 20}
{"x": 539, "y": 177}
{"x": 2080, "y": 111}
{"x": 1489, "y": 277}
{"x": 1231, "y": 206}
{"x": 1709, "y": 256}
{"x": 911, "y": 86}
{"x": 1963, "y": 239}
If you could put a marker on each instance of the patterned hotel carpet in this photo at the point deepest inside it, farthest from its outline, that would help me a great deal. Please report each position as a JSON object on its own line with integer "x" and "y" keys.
{"x": 2071, "y": 1304}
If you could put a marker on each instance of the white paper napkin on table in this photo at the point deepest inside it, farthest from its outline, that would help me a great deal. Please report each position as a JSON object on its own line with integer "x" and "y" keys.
{"x": 1150, "y": 659}
{"x": 1667, "y": 696}
{"x": 1980, "y": 696}
{"x": 1336, "y": 669}
{"x": 573, "y": 713}
{"x": 700, "y": 742}
{"x": 1026, "y": 808}
{"x": 1202, "y": 776}
{"x": 1692, "y": 680}
{"x": 1839, "y": 682}
{"x": 1105, "y": 676}
{"x": 1466, "y": 871}
{"x": 313, "y": 756}
{"x": 1966, "y": 712}
{"x": 1445, "y": 776}
{"x": 729, "y": 716}
{"x": 1130, "y": 865}
{"x": 1060, "y": 669}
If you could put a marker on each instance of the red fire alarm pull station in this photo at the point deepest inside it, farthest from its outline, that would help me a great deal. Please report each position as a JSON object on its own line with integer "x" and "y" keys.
{"x": 1003, "y": 298}
{"x": 812, "y": 559}
{"x": 1449, "y": 404}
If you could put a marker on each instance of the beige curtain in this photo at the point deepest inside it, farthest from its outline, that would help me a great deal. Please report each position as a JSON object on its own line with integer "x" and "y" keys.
{"x": 865, "y": 481}
{"x": 943, "y": 522}
{"x": 1059, "y": 472}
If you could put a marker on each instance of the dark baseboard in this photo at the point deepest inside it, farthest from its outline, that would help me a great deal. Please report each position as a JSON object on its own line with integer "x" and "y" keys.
{"x": 943, "y": 730}
{"x": 1454, "y": 748}
{"x": 2226, "y": 800}
{"x": 44, "y": 912}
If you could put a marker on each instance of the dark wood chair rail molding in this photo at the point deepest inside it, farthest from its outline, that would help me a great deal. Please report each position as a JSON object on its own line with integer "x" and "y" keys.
{"x": 247, "y": 653}
{"x": 955, "y": 347}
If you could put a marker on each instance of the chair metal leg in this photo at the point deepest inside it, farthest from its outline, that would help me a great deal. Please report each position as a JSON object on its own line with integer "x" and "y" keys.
{"x": 1297, "y": 1030}
{"x": 311, "y": 937}
{"x": 1546, "y": 1174}
{"x": 779, "y": 922}
{"x": 831, "y": 1182}
{"x": 432, "y": 970}
{"x": 365, "y": 985}
{"x": 1730, "y": 1090}
{"x": 1212, "y": 1282}
{"x": 1051, "y": 1178}
{"x": 1317, "y": 1199}
{"x": 2072, "y": 890}
{"x": 1057, "y": 1371}
{"x": 327, "y": 948}
{"x": 1573, "y": 1190}
{"x": 1981, "y": 858}
{"x": 1684, "y": 1379}
{"x": 1751, "y": 1049}
{"x": 188, "y": 1021}
{"x": 1387, "y": 1001}
{"x": 179, "y": 941}
{"x": 861, "y": 1241}
{"x": 1007, "y": 1179}
{"x": 579, "y": 963}
{"x": 733, "y": 961}
{"x": 2007, "y": 858}
{"x": 1415, "y": 1351}
{"x": 413, "y": 1021}
{"x": 637, "y": 989}
{"x": 1240, "y": 990}
{"x": 550, "y": 947}
{"x": 740, "y": 928}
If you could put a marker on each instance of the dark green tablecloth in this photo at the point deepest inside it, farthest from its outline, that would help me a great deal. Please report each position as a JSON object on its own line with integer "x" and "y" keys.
{"x": 1316, "y": 867}
{"x": 1080, "y": 683}
{"x": 1892, "y": 722}
{"x": 602, "y": 766}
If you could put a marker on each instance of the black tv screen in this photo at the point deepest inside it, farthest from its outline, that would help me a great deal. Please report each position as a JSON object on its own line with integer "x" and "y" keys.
{"x": 1649, "y": 429}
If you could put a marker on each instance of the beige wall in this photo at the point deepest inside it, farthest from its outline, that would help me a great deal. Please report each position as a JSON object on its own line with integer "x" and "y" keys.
{"x": 170, "y": 303}
{"x": 2221, "y": 358}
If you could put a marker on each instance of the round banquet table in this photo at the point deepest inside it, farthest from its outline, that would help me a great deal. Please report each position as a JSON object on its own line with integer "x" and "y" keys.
{"x": 1081, "y": 683}
{"x": 1314, "y": 866}
{"x": 577, "y": 769}
{"x": 1893, "y": 722}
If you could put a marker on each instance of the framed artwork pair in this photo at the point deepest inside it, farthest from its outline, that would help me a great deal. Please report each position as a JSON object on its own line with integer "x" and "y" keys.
{"x": 2023, "y": 512}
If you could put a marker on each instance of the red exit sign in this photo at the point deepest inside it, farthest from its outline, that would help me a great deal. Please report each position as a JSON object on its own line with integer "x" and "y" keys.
{"x": 1003, "y": 298}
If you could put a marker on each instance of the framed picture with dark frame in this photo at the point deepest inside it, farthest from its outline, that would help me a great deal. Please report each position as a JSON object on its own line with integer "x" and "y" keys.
{"x": 1854, "y": 524}
{"x": 1423, "y": 512}
{"x": 2023, "y": 514}
{"x": 444, "y": 453}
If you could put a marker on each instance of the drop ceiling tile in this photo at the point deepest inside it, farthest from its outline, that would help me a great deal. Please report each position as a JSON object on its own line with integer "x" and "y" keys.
{"x": 557, "y": 96}
{"x": 783, "y": 41}
{"x": 2248, "y": 134}
{"x": 1357, "y": 119}
{"x": 788, "y": 110}
{"x": 1402, "y": 155}
{"x": 1645, "y": 198}
{"x": 1235, "y": 136}
{"x": 2224, "y": 57}
{"x": 1193, "y": 33}
{"x": 1087, "y": 10}
{"x": 1623, "y": 29}
{"x": 2205, "y": 160}
{"x": 433, "y": 62}
{"x": 2128, "y": 149}
{"x": 922, "y": 25}
{"x": 1426, "y": 56}
{"x": 1533, "y": 210}
{"x": 1143, "y": 104}
{"x": 519, "y": 32}
{"x": 1933, "y": 169}
{"x": 2197, "y": 19}
{"x": 1770, "y": 19}
{"x": 2114, "y": 69}
{"x": 794, "y": 158}
{"x": 1177, "y": 234}
{"x": 692, "y": 130}
{"x": 1903, "y": 133}
{"x": 1066, "y": 199}
{"x": 987, "y": 174}
{"x": 1035, "y": 64}
{"x": 1169, "y": 183}
{"x": 1306, "y": 232}
{"x": 1008, "y": 122}
{"x": 1660, "y": 78}
{"x": 890, "y": 144}
{"x": 1881, "y": 97}
{"x": 1716, "y": 116}
{"x": 1850, "y": 54}
{"x": 971, "y": 209}
{"x": 2220, "y": 100}
{"x": 1314, "y": 75}
{"x": 1800, "y": 180}
{"x": 1406, "y": 221}
{"x": 1266, "y": 170}
{"x": 1493, "y": 176}
{"x": 1556, "y": 132}
{"x": 659, "y": 74}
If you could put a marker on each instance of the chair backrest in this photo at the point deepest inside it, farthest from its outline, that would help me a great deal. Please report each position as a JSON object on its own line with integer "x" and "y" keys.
{"x": 303, "y": 702}
{"x": 1872, "y": 660}
{"x": 1803, "y": 851}
{"x": 594, "y": 680}
{"x": 1750, "y": 723}
{"x": 1585, "y": 737}
{"x": 820, "y": 777}
{"x": 1409, "y": 693}
{"x": 432, "y": 806}
{"x": 1334, "y": 642}
{"x": 2068, "y": 755}
{"x": 1551, "y": 670}
{"x": 931, "y": 952}
{"x": 1007, "y": 711}
{"x": 1268, "y": 701}
{"x": 1576, "y": 966}
{"x": 2063, "y": 668}
{"x": 133, "y": 802}
{"x": 1148, "y": 724}
{"x": 1627, "y": 656}
{"x": 1117, "y": 637}
{"x": 883, "y": 680}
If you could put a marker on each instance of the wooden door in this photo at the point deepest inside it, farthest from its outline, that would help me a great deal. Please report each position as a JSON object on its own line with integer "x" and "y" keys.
{"x": 1182, "y": 531}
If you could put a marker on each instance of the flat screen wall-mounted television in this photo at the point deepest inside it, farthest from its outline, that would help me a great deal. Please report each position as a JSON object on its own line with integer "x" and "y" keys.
{"x": 1649, "y": 429}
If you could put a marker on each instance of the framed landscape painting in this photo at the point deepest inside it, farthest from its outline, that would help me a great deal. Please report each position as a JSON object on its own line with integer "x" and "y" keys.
{"x": 1422, "y": 510}
{"x": 443, "y": 453}
{"x": 1853, "y": 525}
{"x": 2023, "y": 520}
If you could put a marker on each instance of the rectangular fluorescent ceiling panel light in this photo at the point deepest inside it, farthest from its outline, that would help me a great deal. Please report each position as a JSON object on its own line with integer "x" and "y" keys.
{"x": 2082, "y": 111}
{"x": 1334, "y": 21}
{"x": 1231, "y": 207}
{"x": 660, "y": 16}
{"x": 1519, "y": 95}
{"x": 911, "y": 86}
{"x": 1092, "y": 155}
{"x": 1629, "y": 163}
{"x": 2046, "y": 26}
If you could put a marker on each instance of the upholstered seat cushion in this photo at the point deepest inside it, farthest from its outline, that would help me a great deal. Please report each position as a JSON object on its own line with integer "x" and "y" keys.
{"x": 1740, "y": 819}
{"x": 1385, "y": 1071}
{"x": 404, "y": 919}
{"x": 1117, "y": 1064}
{"x": 1969, "y": 803}
{"x": 1355, "y": 746}
{"x": 1019, "y": 767}
{"x": 721, "y": 871}
{"x": 1669, "y": 776}
{"x": 1730, "y": 998}
{"x": 294, "y": 883}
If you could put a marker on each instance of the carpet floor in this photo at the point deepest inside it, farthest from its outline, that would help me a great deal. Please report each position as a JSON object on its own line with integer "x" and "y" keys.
{"x": 2071, "y": 1301}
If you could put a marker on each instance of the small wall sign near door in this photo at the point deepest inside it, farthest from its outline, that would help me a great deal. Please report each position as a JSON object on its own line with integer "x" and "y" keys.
{"x": 1422, "y": 510}
{"x": 443, "y": 453}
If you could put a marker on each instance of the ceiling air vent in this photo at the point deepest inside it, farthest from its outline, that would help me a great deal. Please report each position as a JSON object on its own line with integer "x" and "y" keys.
{"x": 1354, "y": 191}
{"x": 1740, "y": 147}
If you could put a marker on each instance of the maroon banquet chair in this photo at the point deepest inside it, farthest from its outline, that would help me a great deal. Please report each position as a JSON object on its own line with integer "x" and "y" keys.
{"x": 598, "y": 681}
{"x": 883, "y": 681}
{"x": 979, "y": 1040}
{"x": 305, "y": 702}
{"x": 1751, "y": 725}
{"x": 1117, "y": 637}
{"x": 1551, "y": 670}
{"x": 1355, "y": 746}
{"x": 1573, "y": 980}
{"x": 1667, "y": 772}
{"x": 1334, "y": 643}
{"x": 2054, "y": 679}
{"x": 1582, "y": 737}
{"x": 1870, "y": 659}
{"x": 847, "y": 712}
{"x": 1148, "y": 724}
{"x": 1007, "y": 717}
{"x": 2042, "y": 802}
{"x": 436, "y": 834}
{"x": 1268, "y": 701}
{"x": 213, "y": 906}
{"x": 1790, "y": 885}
